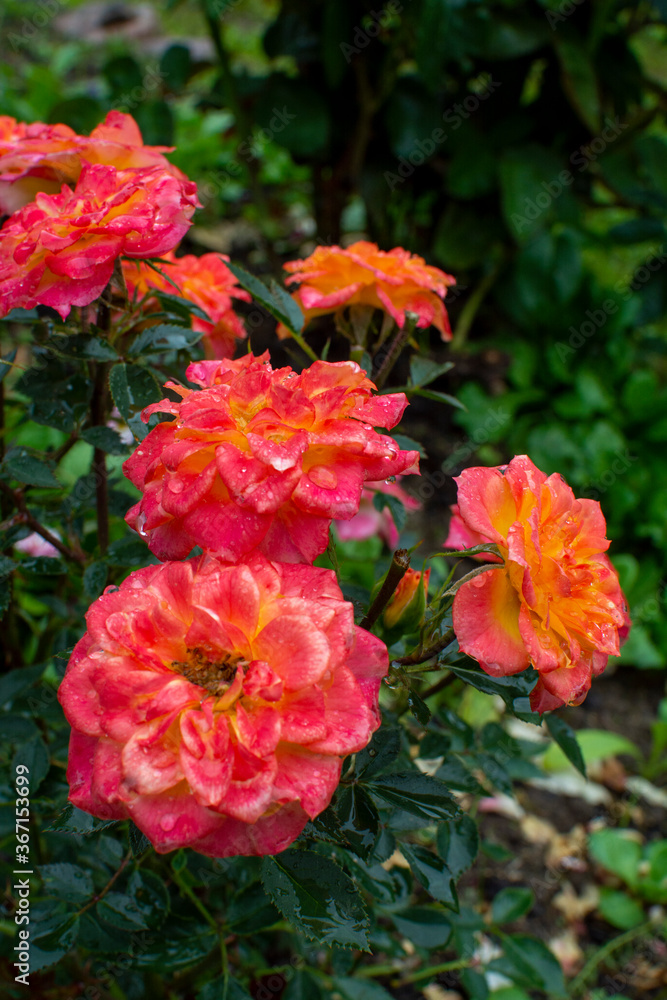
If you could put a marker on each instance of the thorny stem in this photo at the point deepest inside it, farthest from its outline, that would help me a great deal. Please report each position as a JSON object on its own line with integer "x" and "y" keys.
{"x": 422, "y": 655}
{"x": 25, "y": 517}
{"x": 399, "y": 567}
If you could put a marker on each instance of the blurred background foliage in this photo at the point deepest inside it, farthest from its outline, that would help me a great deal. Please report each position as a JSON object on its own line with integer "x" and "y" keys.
{"x": 519, "y": 145}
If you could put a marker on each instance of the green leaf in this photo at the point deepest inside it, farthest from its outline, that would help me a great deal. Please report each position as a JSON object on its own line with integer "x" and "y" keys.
{"x": 43, "y": 565}
{"x": 382, "y": 751}
{"x": 619, "y": 910}
{"x": 251, "y": 911}
{"x": 530, "y": 963}
{"x": 566, "y": 739}
{"x": 578, "y": 77}
{"x": 75, "y": 821}
{"x": 288, "y": 304}
{"x": 406, "y": 443}
{"x": 20, "y": 464}
{"x": 275, "y": 299}
{"x": 433, "y": 874}
{"x": 139, "y": 842}
{"x": 423, "y": 371}
{"x": 302, "y": 986}
{"x": 397, "y": 508}
{"x": 83, "y": 346}
{"x": 67, "y": 881}
{"x": 7, "y": 362}
{"x": 359, "y": 989}
{"x": 128, "y": 551}
{"x": 215, "y": 990}
{"x": 106, "y": 439}
{"x": 513, "y": 690}
{"x": 425, "y": 926}
{"x": 595, "y": 744}
{"x": 617, "y": 852}
{"x": 122, "y": 911}
{"x": 419, "y": 708}
{"x": 179, "y": 946}
{"x": 359, "y": 820}
{"x": 7, "y": 566}
{"x": 17, "y": 681}
{"x": 59, "y": 937}
{"x": 178, "y": 306}
{"x": 133, "y": 388}
{"x": 150, "y": 897}
{"x": 35, "y": 756}
{"x": 95, "y": 578}
{"x": 165, "y": 337}
{"x": 510, "y": 904}
{"x": 458, "y": 843}
{"x": 440, "y": 397}
{"x": 317, "y": 897}
{"x": 417, "y": 793}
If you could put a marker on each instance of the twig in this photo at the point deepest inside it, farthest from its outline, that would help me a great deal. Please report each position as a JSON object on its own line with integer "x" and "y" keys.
{"x": 422, "y": 655}
{"x": 395, "y": 573}
{"x": 393, "y": 354}
{"x": 123, "y": 865}
{"x": 439, "y": 686}
{"x": 25, "y": 517}
{"x": 579, "y": 982}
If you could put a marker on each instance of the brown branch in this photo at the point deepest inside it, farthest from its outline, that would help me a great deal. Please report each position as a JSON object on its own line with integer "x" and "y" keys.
{"x": 25, "y": 517}
{"x": 395, "y": 573}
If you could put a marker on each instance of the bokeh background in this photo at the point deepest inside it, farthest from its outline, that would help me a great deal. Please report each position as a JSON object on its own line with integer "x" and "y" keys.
{"x": 520, "y": 145}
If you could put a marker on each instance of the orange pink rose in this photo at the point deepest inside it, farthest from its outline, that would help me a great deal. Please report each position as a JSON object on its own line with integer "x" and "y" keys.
{"x": 556, "y": 602}
{"x": 208, "y": 283}
{"x": 258, "y": 457}
{"x": 361, "y": 274}
{"x": 213, "y": 704}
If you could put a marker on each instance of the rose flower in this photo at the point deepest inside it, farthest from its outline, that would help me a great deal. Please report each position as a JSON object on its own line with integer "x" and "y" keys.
{"x": 556, "y": 602}
{"x": 60, "y": 250}
{"x": 361, "y": 274}
{"x": 259, "y": 457}
{"x": 38, "y": 157}
{"x": 213, "y": 704}
{"x": 206, "y": 281}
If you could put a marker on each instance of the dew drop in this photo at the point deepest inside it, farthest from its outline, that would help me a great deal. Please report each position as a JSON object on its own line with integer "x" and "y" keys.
{"x": 168, "y": 822}
{"x": 176, "y": 486}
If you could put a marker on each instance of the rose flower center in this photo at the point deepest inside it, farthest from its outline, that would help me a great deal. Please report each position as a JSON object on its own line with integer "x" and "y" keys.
{"x": 215, "y": 675}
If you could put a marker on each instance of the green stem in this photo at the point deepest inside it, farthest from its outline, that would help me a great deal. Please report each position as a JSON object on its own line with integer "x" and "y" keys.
{"x": 225, "y": 966}
{"x": 435, "y": 970}
{"x": 187, "y": 891}
{"x": 422, "y": 655}
{"x": 304, "y": 346}
{"x": 471, "y": 307}
{"x": 578, "y": 984}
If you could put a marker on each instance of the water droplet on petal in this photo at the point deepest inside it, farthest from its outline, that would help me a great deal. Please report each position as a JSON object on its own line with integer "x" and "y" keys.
{"x": 323, "y": 477}
{"x": 168, "y": 822}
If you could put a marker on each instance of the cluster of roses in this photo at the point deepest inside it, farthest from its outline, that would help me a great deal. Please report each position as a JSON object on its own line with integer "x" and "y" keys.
{"x": 213, "y": 698}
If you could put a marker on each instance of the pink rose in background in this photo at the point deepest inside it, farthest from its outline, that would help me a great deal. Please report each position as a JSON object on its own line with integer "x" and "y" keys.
{"x": 370, "y": 521}
{"x": 462, "y": 536}
{"x": 35, "y": 545}
{"x": 213, "y": 704}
